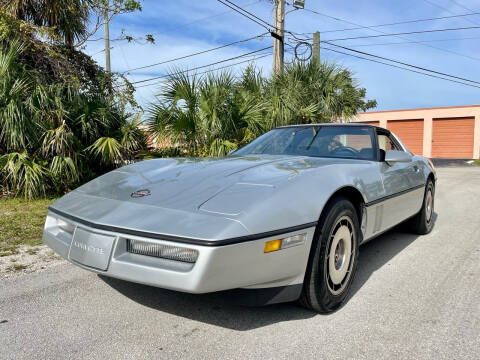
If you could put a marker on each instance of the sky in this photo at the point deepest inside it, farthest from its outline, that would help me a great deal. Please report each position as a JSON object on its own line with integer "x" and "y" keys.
{"x": 183, "y": 27}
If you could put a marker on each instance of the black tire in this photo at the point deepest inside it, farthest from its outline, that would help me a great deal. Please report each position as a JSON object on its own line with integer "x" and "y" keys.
{"x": 319, "y": 290}
{"x": 422, "y": 223}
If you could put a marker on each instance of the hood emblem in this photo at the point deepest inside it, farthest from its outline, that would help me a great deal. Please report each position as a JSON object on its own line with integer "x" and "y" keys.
{"x": 140, "y": 193}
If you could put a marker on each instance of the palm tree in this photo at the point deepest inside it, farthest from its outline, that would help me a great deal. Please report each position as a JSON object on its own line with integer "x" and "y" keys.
{"x": 68, "y": 18}
{"x": 312, "y": 92}
{"x": 209, "y": 115}
{"x": 133, "y": 138}
{"x": 176, "y": 112}
{"x": 216, "y": 113}
{"x": 54, "y": 137}
{"x": 18, "y": 93}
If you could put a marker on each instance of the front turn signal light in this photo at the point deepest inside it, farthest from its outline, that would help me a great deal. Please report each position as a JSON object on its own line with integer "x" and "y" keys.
{"x": 272, "y": 245}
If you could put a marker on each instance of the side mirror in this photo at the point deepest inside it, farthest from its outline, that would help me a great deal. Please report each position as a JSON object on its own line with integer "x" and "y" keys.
{"x": 395, "y": 156}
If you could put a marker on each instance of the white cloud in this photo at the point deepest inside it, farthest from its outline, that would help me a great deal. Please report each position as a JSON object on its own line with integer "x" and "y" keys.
{"x": 392, "y": 88}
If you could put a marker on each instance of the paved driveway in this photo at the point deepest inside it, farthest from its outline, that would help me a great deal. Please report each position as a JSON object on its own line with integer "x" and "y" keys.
{"x": 414, "y": 298}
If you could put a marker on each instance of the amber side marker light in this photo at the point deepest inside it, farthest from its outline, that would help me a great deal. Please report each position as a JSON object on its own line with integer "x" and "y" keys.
{"x": 278, "y": 244}
{"x": 272, "y": 245}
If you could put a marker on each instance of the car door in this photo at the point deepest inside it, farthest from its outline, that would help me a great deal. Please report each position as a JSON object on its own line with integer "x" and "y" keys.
{"x": 401, "y": 185}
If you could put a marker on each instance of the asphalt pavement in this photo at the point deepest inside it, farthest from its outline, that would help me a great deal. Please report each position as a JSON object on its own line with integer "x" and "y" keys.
{"x": 414, "y": 297}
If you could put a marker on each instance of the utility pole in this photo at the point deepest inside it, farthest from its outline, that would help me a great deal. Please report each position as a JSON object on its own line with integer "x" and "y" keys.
{"x": 278, "y": 37}
{"x": 107, "y": 40}
{"x": 316, "y": 47}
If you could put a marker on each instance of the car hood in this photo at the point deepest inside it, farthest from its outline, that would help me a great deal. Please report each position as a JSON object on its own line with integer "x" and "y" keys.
{"x": 198, "y": 198}
{"x": 187, "y": 183}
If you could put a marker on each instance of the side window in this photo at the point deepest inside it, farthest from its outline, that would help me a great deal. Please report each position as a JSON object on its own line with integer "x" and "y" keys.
{"x": 385, "y": 143}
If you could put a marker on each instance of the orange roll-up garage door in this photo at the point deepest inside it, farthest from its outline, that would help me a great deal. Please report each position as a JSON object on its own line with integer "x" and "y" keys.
{"x": 410, "y": 132}
{"x": 453, "y": 138}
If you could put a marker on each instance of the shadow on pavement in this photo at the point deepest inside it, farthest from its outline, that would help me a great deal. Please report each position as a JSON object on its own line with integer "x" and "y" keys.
{"x": 379, "y": 251}
{"x": 215, "y": 308}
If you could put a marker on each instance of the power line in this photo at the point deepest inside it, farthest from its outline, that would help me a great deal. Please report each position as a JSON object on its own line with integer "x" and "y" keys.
{"x": 400, "y": 37}
{"x": 245, "y": 13}
{"x": 402, "y": 63}
{"x": 405, "y": 33}
{"x": 400, "y": 22}
{"x": 215, "y": 15}
{"x": 416, "y": 42}
{"x": 98, "y": 52}
{"x": 450, "y": 12}
{"x": 462, "y": 6}
{"x": 437, "y": 6}
{"x": 195, "y": 54}
{"x": 186, "y": 24}
{"x": 203, "y": 66}
{"x": 123, "y": 56}
{"x": 400, "y": 67}
{"x": 252, "y": 17}
{"x": 465, "y": 8}
{"x": 212, "y": 70}
{"x": 216, "y": 69}
{"x": 249, "y": 13}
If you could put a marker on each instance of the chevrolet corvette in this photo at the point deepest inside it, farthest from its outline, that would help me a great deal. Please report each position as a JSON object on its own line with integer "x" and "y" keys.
{"x": 280, "y": 219}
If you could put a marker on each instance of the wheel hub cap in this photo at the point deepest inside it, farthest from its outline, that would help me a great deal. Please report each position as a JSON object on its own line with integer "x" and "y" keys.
{"x": 429, "y": 205}
{"x": 340, "y": 254}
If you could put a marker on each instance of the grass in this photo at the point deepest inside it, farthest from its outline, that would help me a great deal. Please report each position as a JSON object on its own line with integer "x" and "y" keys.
{"x": 17, "y": 267}
{"x": 476, "y": 162}
{"x": 21, "y": 223}
{"x": 32, "y": 251}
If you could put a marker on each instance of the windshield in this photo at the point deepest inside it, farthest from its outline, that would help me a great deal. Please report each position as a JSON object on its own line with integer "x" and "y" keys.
{"x": 318, "y": 141}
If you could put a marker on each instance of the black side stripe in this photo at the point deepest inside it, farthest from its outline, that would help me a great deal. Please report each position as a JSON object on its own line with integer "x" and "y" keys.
{"x": 403, "y": 192}
{"x": 180, "y": 239}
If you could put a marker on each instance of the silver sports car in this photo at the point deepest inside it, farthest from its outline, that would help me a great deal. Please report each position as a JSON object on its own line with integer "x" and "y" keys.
{"x": 278, "y": 220}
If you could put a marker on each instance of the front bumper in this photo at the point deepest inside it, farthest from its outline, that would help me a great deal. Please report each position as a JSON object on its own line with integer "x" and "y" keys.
{"x": 242, "y": 265}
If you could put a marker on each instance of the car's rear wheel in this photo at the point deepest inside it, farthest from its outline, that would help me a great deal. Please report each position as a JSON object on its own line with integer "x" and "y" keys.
{"x": 333, "y": 258}
{"x": 422, "y": 223}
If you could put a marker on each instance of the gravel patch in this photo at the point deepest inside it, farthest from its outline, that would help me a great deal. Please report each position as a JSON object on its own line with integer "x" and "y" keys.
{"x": 28, "y": 259}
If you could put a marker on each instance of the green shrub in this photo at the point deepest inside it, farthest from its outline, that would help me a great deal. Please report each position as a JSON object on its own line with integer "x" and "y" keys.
{"x": 55, "y": 137}
{"x": 214, "y": 114}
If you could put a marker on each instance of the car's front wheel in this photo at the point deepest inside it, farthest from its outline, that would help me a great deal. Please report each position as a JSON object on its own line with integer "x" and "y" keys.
{"x": 333, "y": 258}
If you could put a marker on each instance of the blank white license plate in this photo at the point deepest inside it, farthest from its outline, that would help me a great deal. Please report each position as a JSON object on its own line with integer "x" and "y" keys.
{"x": 91, "y": 249}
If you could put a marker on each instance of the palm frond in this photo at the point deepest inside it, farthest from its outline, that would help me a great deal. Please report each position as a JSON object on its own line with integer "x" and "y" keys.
{"x": 220, "y": 147}
{"x": 23, "y": 175}
{"x": 64, "y": 168}
{"x": 107, "y": 150}
{"x": 59, "y": 141}
{"x": 133, "y": 138}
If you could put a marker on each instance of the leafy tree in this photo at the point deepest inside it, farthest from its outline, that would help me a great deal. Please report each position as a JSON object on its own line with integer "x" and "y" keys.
{"x": 210, "y": 115}
{"x": 311, "y": 92}
{"x": 59, "y": 64}
{"x": 110, "y": 9}
{"x": 63, "y": 119}
{"x": 68, "y": 18}
{"x": 215, "y": 114}
{"x": 55, "y": 137}
{"x": 177, "y": 113}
